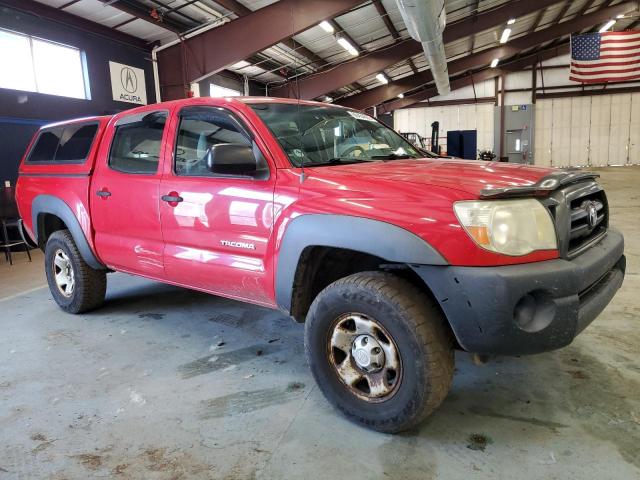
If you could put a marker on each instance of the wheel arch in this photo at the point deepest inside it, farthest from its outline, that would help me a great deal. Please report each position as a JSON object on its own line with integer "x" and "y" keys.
{"x": 371, "y": 240}
{"x": 50, "y": 214}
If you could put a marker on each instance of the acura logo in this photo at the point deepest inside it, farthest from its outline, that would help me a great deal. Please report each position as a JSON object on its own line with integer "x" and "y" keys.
{"x": 128, "y": 79}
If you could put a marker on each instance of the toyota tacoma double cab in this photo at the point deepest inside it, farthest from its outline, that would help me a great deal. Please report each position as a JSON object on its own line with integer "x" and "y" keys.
{"x": 391, "y": 260}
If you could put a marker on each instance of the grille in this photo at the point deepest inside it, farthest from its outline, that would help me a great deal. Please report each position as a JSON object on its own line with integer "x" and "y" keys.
{"x": 588, "y": 220}
{"x": 571, "y": 208}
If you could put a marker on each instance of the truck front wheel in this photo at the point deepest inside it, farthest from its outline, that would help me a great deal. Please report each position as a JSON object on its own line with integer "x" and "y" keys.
{"x": 75, "y": 286}
{"x": 379, "y": 350}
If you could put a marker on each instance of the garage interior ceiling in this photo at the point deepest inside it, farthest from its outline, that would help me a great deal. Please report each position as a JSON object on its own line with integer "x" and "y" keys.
{"x": 372, "y": 26}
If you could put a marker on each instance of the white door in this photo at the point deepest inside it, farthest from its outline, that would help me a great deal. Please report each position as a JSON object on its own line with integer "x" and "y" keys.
{"x": 484, "y": 125}
{"x": 599, "y": 131}
{"x": 634, "y": 130}
{"x": 561, "y": 134}
{"x": 579, "y": 132}
{"x": 544, "y": 127}
{"x": 619, "y": 131}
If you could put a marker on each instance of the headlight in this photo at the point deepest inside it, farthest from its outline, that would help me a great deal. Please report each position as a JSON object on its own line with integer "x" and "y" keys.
{"x": 510, "y": 227}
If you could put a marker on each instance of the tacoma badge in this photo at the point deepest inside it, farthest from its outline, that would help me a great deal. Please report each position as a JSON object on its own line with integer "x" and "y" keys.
{"x": 245, "y": 245}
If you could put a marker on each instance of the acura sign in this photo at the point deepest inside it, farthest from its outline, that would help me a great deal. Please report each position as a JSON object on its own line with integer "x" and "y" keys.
{"x": 127, "y": 84}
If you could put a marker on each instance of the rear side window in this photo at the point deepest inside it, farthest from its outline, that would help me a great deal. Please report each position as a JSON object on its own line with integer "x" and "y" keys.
{"x": 64, "y": 144}
{"x": 46, "y": 145}
{"x": 137, "y": 143}
{"x": 75, "y": 143}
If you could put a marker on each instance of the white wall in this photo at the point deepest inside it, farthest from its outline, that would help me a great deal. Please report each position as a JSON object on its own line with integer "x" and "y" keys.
{"x": 596, "y": 131}
{"x": 576, "y": 131}
{"x": 457, "y": 117}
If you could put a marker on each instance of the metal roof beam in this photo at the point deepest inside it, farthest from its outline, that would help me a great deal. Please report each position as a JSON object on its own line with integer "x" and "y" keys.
{"x": 318, "y": 84}
{"x": 60, "y": 16}
{"x": 240, "y": 10}
{"x": 165, "y": 10}
{"x": 234, "y": 6}
{"x": 472, "y": 37}
{"x": 381, "y": 94}
{"x": 385, "y": 18}
{"x": 560, "y": 15}
{"x": 214, "y": 49}
{"x": 481, "y": 76}
{"x": 142, "y": 14}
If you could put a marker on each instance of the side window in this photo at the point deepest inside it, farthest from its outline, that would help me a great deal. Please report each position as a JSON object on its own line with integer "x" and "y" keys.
{"x": 46, "y": 145}
{"x": 200, "y": 128}
{"x": 137, "y": 143}
{"x": 75, "y": 143}
{"x": 64, "y": 144}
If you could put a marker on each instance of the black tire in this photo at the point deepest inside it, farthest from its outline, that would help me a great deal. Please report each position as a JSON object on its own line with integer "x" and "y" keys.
{"x": 418, "y": 331}
{"x": 89, "y": 285}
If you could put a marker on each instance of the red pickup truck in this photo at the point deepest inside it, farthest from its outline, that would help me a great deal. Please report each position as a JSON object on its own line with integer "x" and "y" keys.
{"x": 391, "y": 260}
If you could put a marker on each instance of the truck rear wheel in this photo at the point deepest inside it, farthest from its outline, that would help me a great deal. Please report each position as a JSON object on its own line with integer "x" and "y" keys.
{"x": 379, "y": 350}
{"x": 75, "y": 286}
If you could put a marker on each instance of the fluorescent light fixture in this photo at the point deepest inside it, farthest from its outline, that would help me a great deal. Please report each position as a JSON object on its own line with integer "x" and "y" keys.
{"x": 511, "y": 21}
{"x": 607, "y": 26}
{"x": 326, "y": 26}
{"x": 620, "y": 15}
{"x": 401, "y": 95}
{"x": 344, "y": 43}
{"x": 494, "y": 62}
{"x": 505, "y": 35}
{"x": 382, "y": 78}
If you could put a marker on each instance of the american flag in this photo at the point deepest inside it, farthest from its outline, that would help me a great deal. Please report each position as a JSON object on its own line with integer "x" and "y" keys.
{"x": 605, "y": 57}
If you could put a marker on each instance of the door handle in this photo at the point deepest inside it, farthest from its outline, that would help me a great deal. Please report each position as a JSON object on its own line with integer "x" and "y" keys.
{"x": 172, "y": 198}
{"x": 103, "y": 193}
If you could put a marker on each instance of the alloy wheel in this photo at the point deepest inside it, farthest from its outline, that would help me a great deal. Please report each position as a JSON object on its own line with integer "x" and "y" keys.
{"x": 364, "y": 357}
{"x": 63, "y": 273}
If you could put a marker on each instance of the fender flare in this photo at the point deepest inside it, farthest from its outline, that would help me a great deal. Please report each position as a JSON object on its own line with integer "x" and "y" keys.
{"x": 374, "y": 237}
{"x": 55, "y": 206}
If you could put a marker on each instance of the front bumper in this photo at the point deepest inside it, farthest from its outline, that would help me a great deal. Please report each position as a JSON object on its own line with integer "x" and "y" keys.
{"x": 527, "y": 308}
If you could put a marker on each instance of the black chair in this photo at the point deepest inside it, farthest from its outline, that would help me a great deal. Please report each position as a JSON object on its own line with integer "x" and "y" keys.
{"x": 10, "y": 219}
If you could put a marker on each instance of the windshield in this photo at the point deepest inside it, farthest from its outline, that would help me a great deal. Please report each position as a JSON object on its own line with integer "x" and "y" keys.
{"x": 427, "y": 153}
{"x": 315, "y": 135}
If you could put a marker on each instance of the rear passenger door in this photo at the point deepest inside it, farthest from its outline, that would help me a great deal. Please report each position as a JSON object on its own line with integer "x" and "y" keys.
{"x": 124, "y": 196}
{"x": 216, "y": 234}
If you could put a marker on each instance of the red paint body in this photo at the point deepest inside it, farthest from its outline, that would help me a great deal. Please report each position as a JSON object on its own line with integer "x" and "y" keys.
{"x": 134, "y": 231}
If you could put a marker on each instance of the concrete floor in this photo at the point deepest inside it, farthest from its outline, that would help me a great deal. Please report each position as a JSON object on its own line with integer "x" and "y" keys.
{"x": 164, "y": 383}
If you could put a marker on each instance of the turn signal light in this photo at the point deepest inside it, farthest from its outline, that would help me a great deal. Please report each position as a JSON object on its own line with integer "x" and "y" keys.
{"x": 480, "y": 235}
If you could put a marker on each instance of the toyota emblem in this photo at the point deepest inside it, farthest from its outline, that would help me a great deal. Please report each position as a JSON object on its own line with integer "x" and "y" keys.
{"x": 592, "y": 214}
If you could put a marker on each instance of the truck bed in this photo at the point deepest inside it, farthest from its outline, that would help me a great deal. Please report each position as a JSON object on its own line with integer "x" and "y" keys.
{"x": 70, "y": 180}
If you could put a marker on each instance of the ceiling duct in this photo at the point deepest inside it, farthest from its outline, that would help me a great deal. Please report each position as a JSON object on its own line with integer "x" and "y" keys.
{"x": 425, "y": 21}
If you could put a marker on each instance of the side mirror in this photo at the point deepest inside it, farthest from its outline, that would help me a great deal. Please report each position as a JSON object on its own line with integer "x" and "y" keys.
{"x": 231, "y": 159}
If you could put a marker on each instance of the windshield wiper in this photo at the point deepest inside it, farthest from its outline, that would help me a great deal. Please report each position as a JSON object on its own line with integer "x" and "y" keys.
{"x": 335, "y": 161}
{"x": 392, "y": 156}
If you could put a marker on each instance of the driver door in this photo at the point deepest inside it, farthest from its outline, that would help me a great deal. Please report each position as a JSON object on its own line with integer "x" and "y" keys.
{"x": 216, "y": 227}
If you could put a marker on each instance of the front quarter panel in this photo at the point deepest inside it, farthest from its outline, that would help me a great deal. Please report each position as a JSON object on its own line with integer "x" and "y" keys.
{"x": 422, "y": 209}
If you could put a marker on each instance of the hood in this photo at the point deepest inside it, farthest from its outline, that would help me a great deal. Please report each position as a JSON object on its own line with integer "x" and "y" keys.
{"x": 469, "y": 176}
